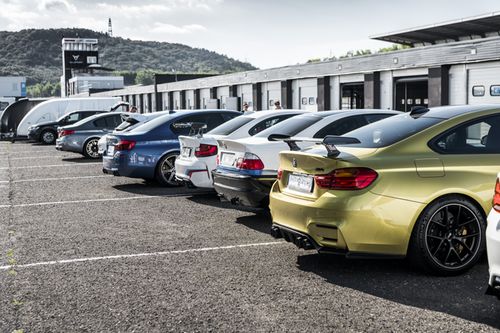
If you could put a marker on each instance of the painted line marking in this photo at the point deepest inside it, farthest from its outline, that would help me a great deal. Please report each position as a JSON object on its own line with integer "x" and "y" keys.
{"x": 138, "y": 255}
{"x": 50, "y": 166}
{"x": 36, "y": 157}
{"x": 102, "y": 200}
{"x": 54, "y": 179}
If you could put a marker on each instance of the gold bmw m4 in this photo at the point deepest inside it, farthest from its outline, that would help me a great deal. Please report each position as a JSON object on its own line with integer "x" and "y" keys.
{"x": 417, "y": 184}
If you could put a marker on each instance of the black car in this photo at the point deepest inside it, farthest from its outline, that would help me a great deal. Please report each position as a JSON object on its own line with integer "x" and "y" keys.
{"x": 46, "y": 133}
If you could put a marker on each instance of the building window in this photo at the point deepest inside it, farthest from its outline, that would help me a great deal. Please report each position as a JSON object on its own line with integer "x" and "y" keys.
{"x": 304, "y": 100}
{"x": 495, "y": 90}
{"x": 478, "y": 91}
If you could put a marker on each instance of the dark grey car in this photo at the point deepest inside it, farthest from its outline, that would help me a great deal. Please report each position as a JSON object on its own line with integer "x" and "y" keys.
{"x": 82, "y": 137}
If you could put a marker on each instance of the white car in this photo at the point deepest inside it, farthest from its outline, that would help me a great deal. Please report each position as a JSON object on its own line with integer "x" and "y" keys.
{"x": 493, "y": 242}
{"x": 248, "y": 167}
{"x": 198, "y": 153}
{"x": 131, "y": 122}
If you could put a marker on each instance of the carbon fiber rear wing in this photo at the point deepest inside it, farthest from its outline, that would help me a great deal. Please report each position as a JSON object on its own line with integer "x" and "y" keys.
{"x": 328, "y": 141}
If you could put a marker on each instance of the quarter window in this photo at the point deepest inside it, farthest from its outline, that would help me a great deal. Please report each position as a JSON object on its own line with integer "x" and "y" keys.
{"x": 478, "y": 137}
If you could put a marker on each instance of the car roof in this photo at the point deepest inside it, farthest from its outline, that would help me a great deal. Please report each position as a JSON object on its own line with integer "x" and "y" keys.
{"x": 258, "y": 114}
{"x": 448, "y": 112}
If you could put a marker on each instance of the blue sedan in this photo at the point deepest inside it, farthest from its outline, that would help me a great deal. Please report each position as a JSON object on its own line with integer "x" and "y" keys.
{"x": 149, "y": 151}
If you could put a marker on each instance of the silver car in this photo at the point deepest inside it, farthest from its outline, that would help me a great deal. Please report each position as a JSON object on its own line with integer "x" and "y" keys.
{"x": 82, "y": 137}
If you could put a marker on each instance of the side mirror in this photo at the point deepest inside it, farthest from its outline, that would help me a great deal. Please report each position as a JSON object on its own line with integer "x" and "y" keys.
{"x": 484, "y": 140}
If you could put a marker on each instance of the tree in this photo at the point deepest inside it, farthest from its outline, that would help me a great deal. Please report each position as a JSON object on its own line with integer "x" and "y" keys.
{"x": 144, "y": 77}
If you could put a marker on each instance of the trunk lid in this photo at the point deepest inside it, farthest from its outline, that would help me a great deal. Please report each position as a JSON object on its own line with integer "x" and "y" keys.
{"x": 298, "y": 168}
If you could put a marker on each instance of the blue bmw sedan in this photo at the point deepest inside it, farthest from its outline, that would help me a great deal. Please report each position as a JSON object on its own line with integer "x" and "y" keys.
{"x": 149, "y": 151}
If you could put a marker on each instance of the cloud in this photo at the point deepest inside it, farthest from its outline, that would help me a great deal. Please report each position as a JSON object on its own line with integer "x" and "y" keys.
{"x": 173, "y": 29}
{"x": 61, "y": 5}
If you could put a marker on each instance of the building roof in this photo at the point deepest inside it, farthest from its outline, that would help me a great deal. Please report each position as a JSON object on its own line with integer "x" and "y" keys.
{"x": 467, "y": 28}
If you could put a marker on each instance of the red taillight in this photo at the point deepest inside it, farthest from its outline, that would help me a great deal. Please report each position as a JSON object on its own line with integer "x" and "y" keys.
{"x": 249, "y": 162}
{"x": 280, "y": 174}
{"x": 496, "y": 197}
{"x": 346, "y": 179}
{"x": 205, "y": 150}
{"x": 65, "y": 132}
{"x": 124, "y": 145}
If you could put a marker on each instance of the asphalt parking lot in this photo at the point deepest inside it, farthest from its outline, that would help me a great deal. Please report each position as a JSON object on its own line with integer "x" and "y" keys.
{"x": 82, "y": 251}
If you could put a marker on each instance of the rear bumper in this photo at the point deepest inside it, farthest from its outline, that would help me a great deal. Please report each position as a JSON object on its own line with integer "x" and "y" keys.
{"x": 119, "y": 165}
{"x": 361, "y": 224}
{"x": 242, "y": 189}
{"x": 193, "y": 173}
{"x": 66, "y": 144}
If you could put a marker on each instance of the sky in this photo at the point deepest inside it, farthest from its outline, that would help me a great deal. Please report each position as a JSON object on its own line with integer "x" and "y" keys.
{"x": 265, "y": 33}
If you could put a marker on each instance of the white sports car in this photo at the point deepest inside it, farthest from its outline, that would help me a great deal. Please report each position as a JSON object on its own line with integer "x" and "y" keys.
{"x": 248, "y": 167}
{"x": 493, "y": 242}
{"x": 198, "y": 153}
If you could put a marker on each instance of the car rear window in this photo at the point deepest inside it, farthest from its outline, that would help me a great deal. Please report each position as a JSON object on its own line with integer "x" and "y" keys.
{"x": 152, "y": 123}
{"x": 388, "y": 131}
{"x": 290, "y": 126}
{"x": 126, "y": 124}
{"x": 231, "y": 126}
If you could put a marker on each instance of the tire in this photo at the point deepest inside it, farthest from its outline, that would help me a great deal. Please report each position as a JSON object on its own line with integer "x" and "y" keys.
{"x": 90, "y": 148}
{"x": 48, "y": 137}
{"x": 165, "y": 171}
{"x": 449, "y": 236}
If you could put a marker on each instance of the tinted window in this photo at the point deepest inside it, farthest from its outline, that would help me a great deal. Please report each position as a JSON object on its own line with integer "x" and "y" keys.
{"x": 231, "y": 126}
{"x": 481, "y": 136}
{"x": 100, "y": 123}
{"x": 148, "y": 126}
{"x": 265, "y": 124}
{"x": 391, "y": 130}
{"x": 290, "y": 126}
{"x": 371, "y": 118}
{"x": 341, "y": 126}
{"x": 113, "y": 121}
{"x": 127, "y": 123}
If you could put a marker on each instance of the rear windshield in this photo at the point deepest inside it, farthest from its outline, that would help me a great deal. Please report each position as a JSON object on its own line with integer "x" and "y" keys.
{"x": 152, "y": 124}
{"x": 126, "y": 124}
{"x": 231, "y": 125}
{"x": 290, "y": 126}
{"x": 387, "y": 131}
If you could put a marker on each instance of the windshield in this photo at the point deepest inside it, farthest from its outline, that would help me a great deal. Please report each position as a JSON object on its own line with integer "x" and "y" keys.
{"x": 231, "y": 125}
{"x": 385, "y": 132}
{"x": 290, "y": 126}
{"x": 152, "y": 124}
{"x": 126, "y": 124}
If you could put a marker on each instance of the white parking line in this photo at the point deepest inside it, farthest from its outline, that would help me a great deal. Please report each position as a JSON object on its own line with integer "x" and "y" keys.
{"x": 136, "y": 255}
{"x": 101, "y": 200}
{"x": 36, "y": 157}
{"x": 50, "y": 166}
{"x": 54, "y": 179}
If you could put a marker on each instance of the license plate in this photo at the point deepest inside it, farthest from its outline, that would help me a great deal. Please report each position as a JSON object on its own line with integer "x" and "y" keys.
{"x": 300, "y": 183}
{"x": 227, "y": 159}
{"x": 186, "y": 152}
{"x": 111, "y": 150}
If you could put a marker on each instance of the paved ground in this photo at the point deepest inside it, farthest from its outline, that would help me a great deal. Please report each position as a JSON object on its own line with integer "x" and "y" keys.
{"x": 84, "y": 252}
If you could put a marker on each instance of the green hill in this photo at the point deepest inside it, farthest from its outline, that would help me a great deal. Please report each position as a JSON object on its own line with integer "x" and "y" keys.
{"x": 36, "y": 54}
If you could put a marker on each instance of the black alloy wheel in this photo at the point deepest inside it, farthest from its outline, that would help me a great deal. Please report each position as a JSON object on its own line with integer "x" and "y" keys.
{"x": 449, "y": 236}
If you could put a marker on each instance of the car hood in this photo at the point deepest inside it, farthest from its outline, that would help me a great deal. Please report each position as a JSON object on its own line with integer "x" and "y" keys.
{"x": 47, "y": 123}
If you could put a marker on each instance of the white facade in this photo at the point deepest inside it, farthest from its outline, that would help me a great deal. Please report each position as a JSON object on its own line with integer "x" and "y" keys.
{"x": 12, "y": 86}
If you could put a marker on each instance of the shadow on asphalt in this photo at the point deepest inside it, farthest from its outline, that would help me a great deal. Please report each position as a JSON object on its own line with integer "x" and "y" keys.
{"x": 81, "y": 159}
{"x": 260, "y": 222}
{"x": 152, "y": 188}
{"x": 395, "y": 280}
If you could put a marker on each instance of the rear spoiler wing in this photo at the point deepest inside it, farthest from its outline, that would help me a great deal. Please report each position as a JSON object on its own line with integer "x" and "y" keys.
{"x": 328, "y": 141}
{"x": 195, "y": 128}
